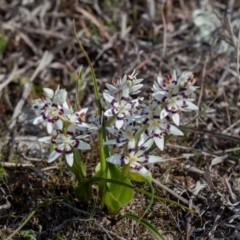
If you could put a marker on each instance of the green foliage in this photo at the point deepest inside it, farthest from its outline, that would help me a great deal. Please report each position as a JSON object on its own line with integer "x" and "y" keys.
{"x": 58, "y": 236}
{"x": 28, "y": 235}
{"x": 117, "y": 194}
{"x": 115, "y": 186}
{"x": 138, "y": 177}
{"x": 3, "y": 174}
{"x": 237, "y": 152}
{"x": 3, "y": 43}
{"x": 80, "y": 84}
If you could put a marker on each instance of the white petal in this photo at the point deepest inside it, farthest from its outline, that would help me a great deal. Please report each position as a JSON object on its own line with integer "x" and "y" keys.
{"x": 109, "y": 112}
{"x": 38, "y": 119}
{"x": 84, "y": 126}
{"x": 125, "y": 92}
{"x": 49, "y": 127}
{"x": 159, "y": 142}
{"x": 159, "y": 80}
{"x": 175, "y": 131}
{"x": 83, "y": 111}
{"x": 60, "y": 96}
{"x": 143, "y": 148}
{"x": 140, "y": 169}
{"x": 110, "y": 142}
{"x": 148, "y": 143}
{"x": 136, "y": 88}
{"x": 59, "y": 124}
{"x": 57, "y": 90}
{"x": 184, "y": 77}
{"x": 71, "y": 128}
{"x": 174, "y": 75}
{"x": 154, "y": 159}
{"x": 47, "y": 140}
{"x": 60, "y": 147}
{"x": 191, "y": 99}
{"x": 82, "y": 136}
{"x": 142, "y": 139}
{"x": 191, "y": 106}
{"x": 108, "y": 97}
{"x": 48, "y": 92}
{"x": 131, "y": 146}
{"x": 65, "y": 105}
{"x": 67, "y": 110}
{"x": 144, "y": 172}
{"x": 133, "y": 74}
{"x": 63, "y": 95}
{"x": 83, "y": 145}
{"x": 53, "y": 156}
{"x": 114, "y": 131}
{"x": 119, "y": 123}
{"x": 163, "y": 113}
{"x": 111, "y": 87}
{"x": 118, "y": 159}
{"x": 176, "y": 118}
{"x": 121, "y": 141}
{"x": 69, "y": 158}
{"x": 60, "y": 139}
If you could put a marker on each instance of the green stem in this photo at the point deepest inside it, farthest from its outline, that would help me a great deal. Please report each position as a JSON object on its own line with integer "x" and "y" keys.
{"x": 92, "y": 70}
{"x": 104, "y": 152}
{"x": 125, "y": 171}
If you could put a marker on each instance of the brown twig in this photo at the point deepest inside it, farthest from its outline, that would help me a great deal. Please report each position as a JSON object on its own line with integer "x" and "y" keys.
{"x": 173, "y": 193}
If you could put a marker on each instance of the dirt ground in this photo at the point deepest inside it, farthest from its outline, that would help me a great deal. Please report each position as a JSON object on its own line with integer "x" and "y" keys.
{"x": 154, "y": 37}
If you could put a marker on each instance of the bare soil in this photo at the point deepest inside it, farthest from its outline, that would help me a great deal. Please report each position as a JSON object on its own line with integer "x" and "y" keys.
{"x": 154, "y": 38}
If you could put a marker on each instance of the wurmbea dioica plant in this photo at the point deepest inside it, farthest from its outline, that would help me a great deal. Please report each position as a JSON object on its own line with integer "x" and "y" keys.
{"x": 134, "y": 127}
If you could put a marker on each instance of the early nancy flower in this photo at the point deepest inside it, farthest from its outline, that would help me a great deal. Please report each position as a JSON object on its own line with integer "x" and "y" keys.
{"x": 50, "y": 113}
{"x": 173, "y": 95}
{"x": 125, "y": 85}
{"x": 51, "y": 107}
{"x": 166, "y": 86}
{"x": 77, "y": 119}
{"x": 133, "y": 83}
{"x": 120, "y": 109}
{"x": 122, "y": 135}
{"x": 64, "y": 143}
{"x": 136, "y": 157}
{"x": 174, "y": 105}
{"x": 117, "y": 86}
{"x": 58, "y": 97}
{"x": 156, "y": 127}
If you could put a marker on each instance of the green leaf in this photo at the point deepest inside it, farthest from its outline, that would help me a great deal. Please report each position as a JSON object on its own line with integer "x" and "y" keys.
{"x": 28, "y": 234}
{"x": 3, "y": 43}
{"x": 145, "y": 223}
{"x": 121, "y": 193}
{"x": 140, "y": 190}
{"x": 139, "y": 178}
{"x": 152, "y": 197}
{"x": 112, "y": 204}
{"x": 101, "y": 184}
{"x": 117, "y": 194}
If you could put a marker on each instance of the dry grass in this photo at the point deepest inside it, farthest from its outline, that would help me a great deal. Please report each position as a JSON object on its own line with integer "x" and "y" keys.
{"x": 38, "y": 49}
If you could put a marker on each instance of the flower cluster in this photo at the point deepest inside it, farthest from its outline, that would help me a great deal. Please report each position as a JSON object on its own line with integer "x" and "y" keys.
{"x": 56, "y": 113}
{"x": 139, "y": 124}
{"x": 173, "y": 94}
{"x": 134, "y": 124}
